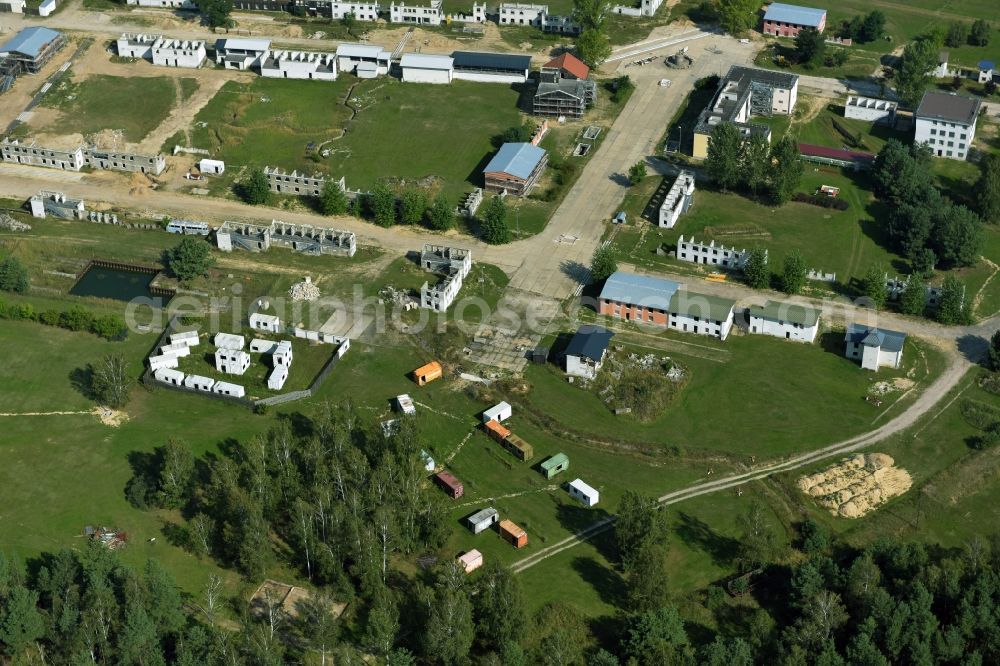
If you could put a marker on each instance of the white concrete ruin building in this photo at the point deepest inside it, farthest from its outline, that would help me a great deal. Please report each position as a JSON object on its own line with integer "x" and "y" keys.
{"x": 678, "y": 200}
{"x": 161, "y": 4}
{"x": 265, "y": 322}
{"x": 277, "y": 378}
{"x": 711, "y": 254}
{"x": 363, "y": 11}
{"x": 363, "y": 60}
{"x": 240, "y": 53}
{"x": 168, "y": 376}
{"x": 231, "y": 361}
{"x": 12, "y": 150}
{"x": 299, "y": 65}
{"x": 229, "y": 341}
{"x": 517, "y": 13}
{"x": 870, "y": 109}
{"x": 232, "y": 390}
{"x": 299, "y": 184}
{"x": 454, "y": 263}
{"x": 162, "y": 51}
{"x": 57, "y": 204}
{"x": 404, "y": 403}
{"x": 189, "y": 338}
{"x": 301, "y": 238}
{"x": 199, "y": 383}
{"x": 429, "y": 14}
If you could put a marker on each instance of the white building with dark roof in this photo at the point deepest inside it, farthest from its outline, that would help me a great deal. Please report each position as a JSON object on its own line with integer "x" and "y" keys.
{"x": 874, "y": 347}
{"x": 241, "y": 53}
{"x": 363, "y": 60}
{"x": 947, "y": 123}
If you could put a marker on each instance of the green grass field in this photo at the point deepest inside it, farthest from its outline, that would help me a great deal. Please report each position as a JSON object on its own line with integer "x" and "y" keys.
{"x": 402, "y": 131}
{"x": 134, "y": 105}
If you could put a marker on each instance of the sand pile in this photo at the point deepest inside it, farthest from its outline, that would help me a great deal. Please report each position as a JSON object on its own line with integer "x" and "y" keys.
{"x": 110, "y": 417}
{"x": 858, "y": 485}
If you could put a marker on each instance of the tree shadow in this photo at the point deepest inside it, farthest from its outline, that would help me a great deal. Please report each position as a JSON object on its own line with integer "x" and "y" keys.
{"x": 605, "y": 581}
{"x": 576, "y": 271}
{"x": 620, "y": 179}
{"x": 301, "y": 426}
{"x": 696, "y": 533}
{"x": 176, "y": 534}
{"x": 82, "y": 381}
{"x": 973, "y": 347}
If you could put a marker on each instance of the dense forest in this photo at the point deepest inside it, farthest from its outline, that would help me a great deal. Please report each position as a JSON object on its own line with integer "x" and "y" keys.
{"x": 350, "y": 509}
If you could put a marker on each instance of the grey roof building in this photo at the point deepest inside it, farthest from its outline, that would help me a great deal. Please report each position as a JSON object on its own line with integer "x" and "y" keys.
{"x": 874, "y": 347}
{"x": 515, "y": 168}
{"x": 586, "y": 351}
{"x": 642, "y": 290}
{"x": 946, "y": 122}
{"x": 30, "y": 49}
{"x": 564, "y": 97}
{"x": 949, "y": 107}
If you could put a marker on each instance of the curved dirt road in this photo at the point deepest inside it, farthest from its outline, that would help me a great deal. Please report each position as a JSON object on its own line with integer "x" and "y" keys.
{"x": 924, "y": 403}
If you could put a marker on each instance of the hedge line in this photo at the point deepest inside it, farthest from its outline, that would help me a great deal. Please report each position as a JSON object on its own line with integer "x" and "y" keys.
{"x": 76, "y": 318}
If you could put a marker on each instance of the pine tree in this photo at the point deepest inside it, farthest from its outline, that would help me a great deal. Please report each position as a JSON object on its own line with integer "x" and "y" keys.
{"x": 722, "y": 160}
{"x": 755, "y": 269}
{"x": 256, "y": 190}
{"x": 412, "y": 206}
{"x": 495, "y": 229}
{"x": 332, "y": 199}
{"x": 13, "y": 275}
{"x": 440, "y": 215}
{"x": 785, "y": 170}
{"x": 382, "y": 204}
{"x": 603, "y": 263}
{"x": 913, "y": 298}
{"x": 952, "y": 306}
{"x": 793, "y": 274}
{"x": 873, "y": 286}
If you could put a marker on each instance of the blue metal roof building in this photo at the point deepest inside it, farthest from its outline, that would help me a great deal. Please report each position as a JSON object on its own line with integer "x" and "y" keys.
{"x": 515, "y": 168}
{"x": 590, "y": 342}
{"x": 32, "y": 47}
{"x": 632, "y": 289}
{"x": 794, "y": 15}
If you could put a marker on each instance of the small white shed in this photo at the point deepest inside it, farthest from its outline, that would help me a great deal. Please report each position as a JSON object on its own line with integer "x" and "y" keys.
{"x": 282, "y": 354}
{"x": 583, "y": 492}
{"x": 404, "y": 403}
{"x": 212, "y": 167}
{"x": 178, "y": 349}
{"x": 498, "y": 412}
{"x": 265, "y": 322}
{"x": 168, "y": 376}
{"x": 262, "y": 346}
{"x": 276, "y": 380}
{"x": 471, "y": 561}
{"x": 189, "y": 338}
{"x": 229, "y": 341}
{"x": 481, "y": 521}
{"x": 165, "y": 361}
{"x": 225, "y": 388}
{"x": 198, "y": 382}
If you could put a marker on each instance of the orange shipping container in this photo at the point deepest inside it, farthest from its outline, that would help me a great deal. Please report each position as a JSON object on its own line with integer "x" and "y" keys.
{"x": 496, "y": 431}
{"x": 427, "y": 373}
{"x": 513, "y": 534}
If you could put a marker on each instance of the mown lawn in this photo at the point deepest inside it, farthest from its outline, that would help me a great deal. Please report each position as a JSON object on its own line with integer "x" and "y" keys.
{"x": 136, "y": 106}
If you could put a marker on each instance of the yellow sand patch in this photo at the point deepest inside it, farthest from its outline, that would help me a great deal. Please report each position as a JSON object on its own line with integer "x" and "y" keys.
{"x": 858, "y": 485}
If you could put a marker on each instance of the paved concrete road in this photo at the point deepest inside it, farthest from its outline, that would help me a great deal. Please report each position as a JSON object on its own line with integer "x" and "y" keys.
{"x": 555, "y": 265}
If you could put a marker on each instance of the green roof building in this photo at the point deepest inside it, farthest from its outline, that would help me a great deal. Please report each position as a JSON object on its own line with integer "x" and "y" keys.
{"x": 691, "y": 312}
{"x": 785, "y": 320}
{"x": 554, "y": 465}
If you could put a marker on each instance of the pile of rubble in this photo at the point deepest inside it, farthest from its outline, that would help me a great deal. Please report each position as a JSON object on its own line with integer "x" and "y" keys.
{"x": 304, "y": 291}
{"x": 389, "y": 294}
{"x": 858, "y": 485}
{"x": 7, "y": 223}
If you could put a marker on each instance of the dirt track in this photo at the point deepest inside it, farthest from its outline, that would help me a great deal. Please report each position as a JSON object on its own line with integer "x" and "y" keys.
{"x": 934, "y": 393}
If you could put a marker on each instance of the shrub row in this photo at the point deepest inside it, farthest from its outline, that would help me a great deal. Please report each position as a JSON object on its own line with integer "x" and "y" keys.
{"x": 76, "y": 318}
{"x": 990, "y": 383}
{"x": 980, "y": 415}
{"x": 822, "y": 202}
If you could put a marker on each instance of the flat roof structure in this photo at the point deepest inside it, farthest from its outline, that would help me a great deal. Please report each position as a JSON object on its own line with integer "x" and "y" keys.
{"x": 649, "y": 292}
{"x": 948, "y": 107}
{"x": 242, "y": 44}
{"x": 421, "y": 61}
{"x": 362, "y": 51}
{"x": 496, "y": 62}
{"x": 554, "y": 461}
{"x": 779, "y": 12}
{"x": 516, "y": 159}
{"x": 734, "y": 88}
{"x": 852, "y": 156}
